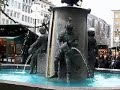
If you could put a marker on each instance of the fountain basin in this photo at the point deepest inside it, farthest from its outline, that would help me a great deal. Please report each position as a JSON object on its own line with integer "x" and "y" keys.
{"x": 15, "y": 79}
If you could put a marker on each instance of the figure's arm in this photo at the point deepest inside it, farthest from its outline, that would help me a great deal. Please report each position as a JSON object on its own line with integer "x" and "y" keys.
{"x": 34, "y": 46}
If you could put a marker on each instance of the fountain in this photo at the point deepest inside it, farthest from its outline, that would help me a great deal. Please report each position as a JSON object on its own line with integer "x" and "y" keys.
{"x": 68, "y": 42}
{"x": 59, "y": 21}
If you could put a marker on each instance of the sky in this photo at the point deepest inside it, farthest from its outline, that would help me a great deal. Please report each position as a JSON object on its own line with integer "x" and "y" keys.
{"x": 99, "y": 8}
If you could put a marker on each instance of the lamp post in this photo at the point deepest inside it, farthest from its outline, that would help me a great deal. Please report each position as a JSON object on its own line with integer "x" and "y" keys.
{"x": 35, "y": 14}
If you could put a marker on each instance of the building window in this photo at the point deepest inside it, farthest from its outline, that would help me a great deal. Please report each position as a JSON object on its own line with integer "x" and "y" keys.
{"x": 28, "y": 9}
{"x": 23, "y": 8}
{"x": 15, "y": 4}
{"x": 22, "y": 17}
{"x": 28, "y": 19}
{"x": 11, "y": 22}
{"x": 3, "y": 21}
{"x": 26, "y": 1}
{"x": 18, "y": 15}
{"x": 41, "y": 13}
{"x": 15, "y": 14}
{"x": 12, "y": 3}
{"x": 7, "y": 21}
{"x": 19, "y": 5}
{"x": 7, "y": 12}
{"x": 25, "y": 18}
{"x": 41, "y": 5}
{"x": 11, "y": 13}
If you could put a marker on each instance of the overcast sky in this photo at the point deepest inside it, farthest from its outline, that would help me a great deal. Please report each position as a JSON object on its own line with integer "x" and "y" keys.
{"x": 99, "y": 8}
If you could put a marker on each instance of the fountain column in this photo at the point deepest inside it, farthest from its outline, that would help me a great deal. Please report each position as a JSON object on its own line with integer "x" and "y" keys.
{"x": 58, "y": 21}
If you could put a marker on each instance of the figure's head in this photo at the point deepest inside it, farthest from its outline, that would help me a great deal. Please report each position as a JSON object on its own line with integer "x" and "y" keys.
{"x": 42, "y": 30}
{"x": 69, "y": 28}
{"x": 91, "y": 33}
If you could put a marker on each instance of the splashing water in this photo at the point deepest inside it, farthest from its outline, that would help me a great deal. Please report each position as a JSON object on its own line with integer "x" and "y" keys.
{"x": 27, "y": 62}
{"x": 84, "y": 59}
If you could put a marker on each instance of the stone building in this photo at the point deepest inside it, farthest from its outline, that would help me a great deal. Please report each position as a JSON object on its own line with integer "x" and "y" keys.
{"x": 116, "y": 28}
{"x": 20, "y": 11}
{"x": 102, "y": 29}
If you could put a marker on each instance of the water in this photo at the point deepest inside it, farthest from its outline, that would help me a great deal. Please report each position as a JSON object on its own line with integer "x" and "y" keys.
{"x": 84, "y": 59}
{"x": 99, "y": 80}
{"x": 27, "y": 62}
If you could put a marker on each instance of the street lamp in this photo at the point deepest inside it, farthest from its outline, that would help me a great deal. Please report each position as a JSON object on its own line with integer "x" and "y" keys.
{"x": 35, "y": 14}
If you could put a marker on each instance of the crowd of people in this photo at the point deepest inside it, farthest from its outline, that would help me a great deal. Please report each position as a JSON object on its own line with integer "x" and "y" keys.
{"x": 111, "y": 61}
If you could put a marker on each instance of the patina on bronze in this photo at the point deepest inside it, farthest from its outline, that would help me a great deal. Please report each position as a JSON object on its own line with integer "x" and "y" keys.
{"x": 39, "y": 46}
{"x": 72, "y": 62}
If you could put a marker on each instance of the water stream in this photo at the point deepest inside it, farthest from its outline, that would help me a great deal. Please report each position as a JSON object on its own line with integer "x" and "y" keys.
{"x": 84, "y": 59}
{"x": 27, "y": 62}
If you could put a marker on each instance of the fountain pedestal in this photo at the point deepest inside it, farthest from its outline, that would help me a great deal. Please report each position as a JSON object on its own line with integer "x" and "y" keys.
{"x": 58, "y": 21}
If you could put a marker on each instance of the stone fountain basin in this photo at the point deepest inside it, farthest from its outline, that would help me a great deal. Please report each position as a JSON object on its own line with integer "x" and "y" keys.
{"x": 11, "y": 81}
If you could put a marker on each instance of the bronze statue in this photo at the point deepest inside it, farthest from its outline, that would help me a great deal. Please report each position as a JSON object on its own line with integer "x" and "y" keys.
{"x": 67, "y": 40}
{"x": 71, "y": 2}
{"x": 92, "y": 52}
{"x": 39, "y": 46}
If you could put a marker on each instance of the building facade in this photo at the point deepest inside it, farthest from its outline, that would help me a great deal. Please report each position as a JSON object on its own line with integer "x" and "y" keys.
{"x": 20, "y": 11}
{"x": 102, "y": 30}
{"x": 116, "y": 28}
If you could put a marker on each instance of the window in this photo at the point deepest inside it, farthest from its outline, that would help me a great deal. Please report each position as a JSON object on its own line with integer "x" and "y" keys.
{"x": 26, "y": 1}
{"x": 18, "y": 15}
{"x": 7, "y": 12}
{"x": 11, "y": 13}
{"x": 11, "y": 22}
{"x": 7, "y": 21}
{"x": 3, "y": 21}
{"x": 19, "y": 5}
{"x": 25, "y": 18}
{"x": 41, "y": 5}
{"x": 28, "y": 9}
{"x": 41, "y": 13}
{"x": 23, "y": 8}
{"x": 22, "y": 17}
{"x": 28, "y": 19}
{"x": 12, "y": 3}
{"x": 15, "y": 4}
{"x": 15, "y": 14}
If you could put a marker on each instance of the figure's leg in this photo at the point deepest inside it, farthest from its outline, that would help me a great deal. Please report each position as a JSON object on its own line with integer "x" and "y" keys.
{"x": 32, "y": 63}
{"x": 56, "y": 63}
{"x": 68, "y": 56}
